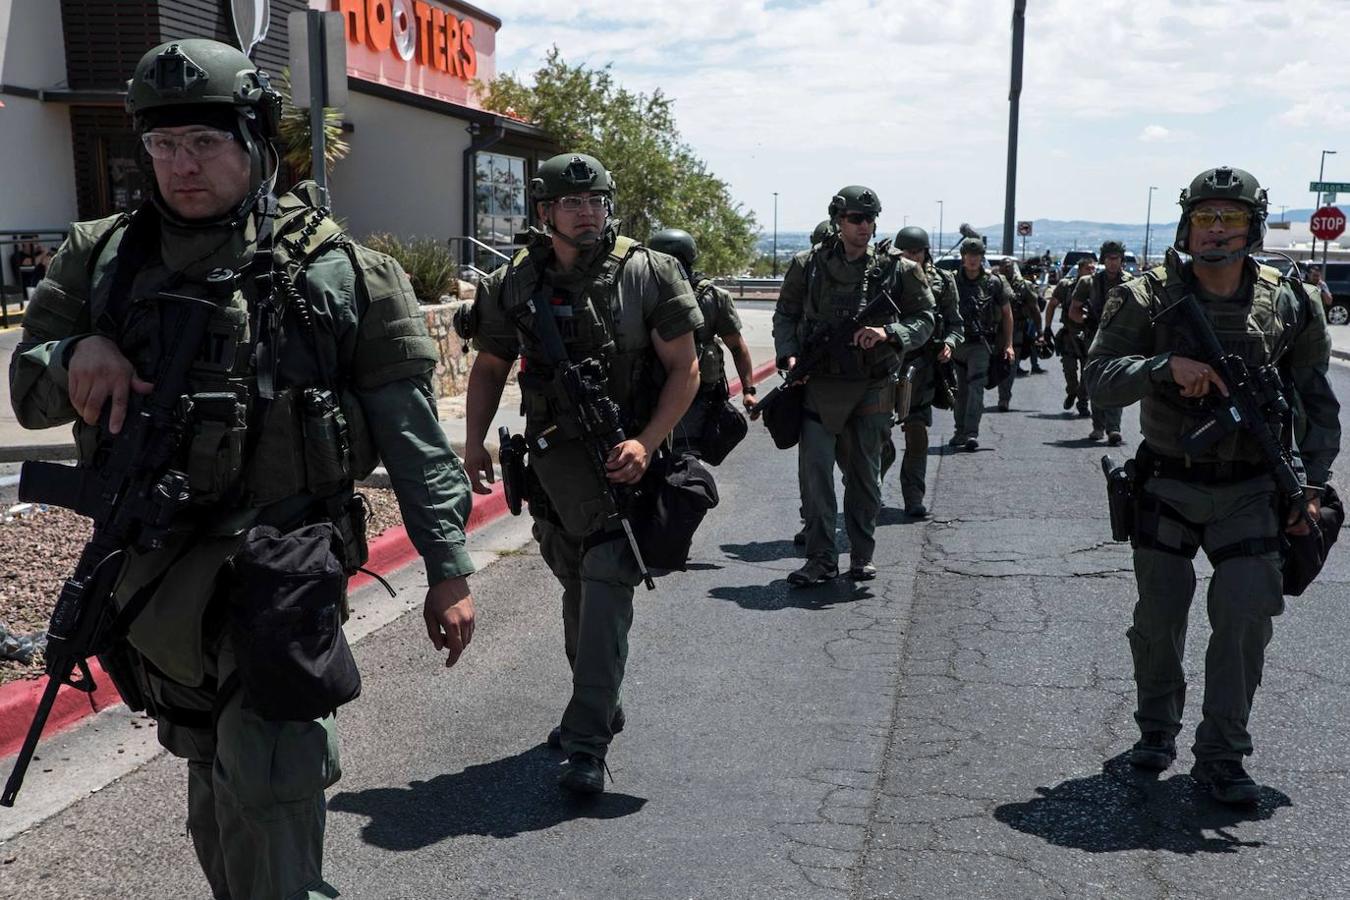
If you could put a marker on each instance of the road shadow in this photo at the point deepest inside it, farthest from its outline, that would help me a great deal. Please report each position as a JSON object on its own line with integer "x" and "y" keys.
{"x": 761, "y": 551}
{"x": 1076, "y": 442}
{"x": 1126, "y": 809}
{"x": 778, "y": 594}
{"x": 500, "y": 799}
{"x": 1057, "y": 416}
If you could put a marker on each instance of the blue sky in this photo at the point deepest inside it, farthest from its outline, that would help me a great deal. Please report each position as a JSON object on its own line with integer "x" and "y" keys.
{"x": 910, "y": 98}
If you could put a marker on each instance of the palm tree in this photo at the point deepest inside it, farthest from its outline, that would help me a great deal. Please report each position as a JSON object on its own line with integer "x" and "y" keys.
{"x": 296, "y": 147}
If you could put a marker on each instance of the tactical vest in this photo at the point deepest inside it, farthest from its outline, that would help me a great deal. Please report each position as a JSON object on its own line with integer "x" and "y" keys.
{"x": 711, "y": 362}
{"x": 835, "y": 290}
{"x": 1098, "y": 289}
{"x": 941, "y": 283}
{"x": 1260, "y": 328}
{"x": 979, "y": 304}
{"x": 241, "y": 445}
{"x": 598, "y": 326}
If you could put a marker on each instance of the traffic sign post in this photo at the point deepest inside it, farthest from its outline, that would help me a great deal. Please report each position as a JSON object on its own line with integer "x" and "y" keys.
{"x": 1328, "y": 223}
{"x": 1024, "y": 229}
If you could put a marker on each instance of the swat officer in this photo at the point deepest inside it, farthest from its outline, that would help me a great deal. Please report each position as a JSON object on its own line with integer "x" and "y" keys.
{"x": 1085, "y": 307}
{"x": 1069, "y": 339}
{"x": 1222, "y": 499}
{"x": 911, "y": 243}
{"x": 317, "y": 362}
{"x": 630, "y": 309}
{"x": 824, "y": 228}
{"x": 987, "y": 320}
{"x": 721, "y": 325}
{"x": 848, "y": 402}
{"x": 1026, "y": 316}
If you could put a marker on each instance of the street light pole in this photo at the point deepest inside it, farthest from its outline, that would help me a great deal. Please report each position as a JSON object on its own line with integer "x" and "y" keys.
{"x": 1148, "y": 223}
{"x": 939, "y": 240}
{"x": 1321, "y": 170}
{"x": 775, "y": 234}
{"x": 1019, "y": 20}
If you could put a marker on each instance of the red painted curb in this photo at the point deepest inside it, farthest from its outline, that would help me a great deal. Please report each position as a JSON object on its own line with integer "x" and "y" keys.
{"x": 389, "y": 552}
{"x": 19, "y": 699}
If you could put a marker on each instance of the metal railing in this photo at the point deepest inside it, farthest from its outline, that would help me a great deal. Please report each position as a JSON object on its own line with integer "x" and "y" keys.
{"x": 466, "y": 255}
{"x": 48, "y": 238}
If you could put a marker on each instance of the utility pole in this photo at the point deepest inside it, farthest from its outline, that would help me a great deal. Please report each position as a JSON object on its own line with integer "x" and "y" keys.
{"x": 775, "y": 234}
{"x": 939, "y": 243}
{"x": 1019, "y": 22}
{"x": 1148, "y": 223}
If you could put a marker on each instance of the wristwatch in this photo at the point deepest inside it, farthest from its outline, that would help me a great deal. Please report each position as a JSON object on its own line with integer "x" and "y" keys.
{"x": 750, "y": 390}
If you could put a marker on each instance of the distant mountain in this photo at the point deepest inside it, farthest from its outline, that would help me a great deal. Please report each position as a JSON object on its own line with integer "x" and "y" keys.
{"x": 1055, "y": 235}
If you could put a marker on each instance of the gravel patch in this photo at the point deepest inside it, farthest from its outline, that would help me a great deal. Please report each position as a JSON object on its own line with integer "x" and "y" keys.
{"x": 39, "y": 549}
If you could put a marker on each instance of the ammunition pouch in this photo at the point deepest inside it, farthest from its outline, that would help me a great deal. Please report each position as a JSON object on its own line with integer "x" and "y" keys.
{"x": 217, "y": 425}
{"x": 123, "y": 664}
{"x": 307, "y": 444}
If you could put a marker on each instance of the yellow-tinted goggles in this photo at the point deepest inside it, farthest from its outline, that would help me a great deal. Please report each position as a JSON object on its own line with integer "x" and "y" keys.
{"x": 1231, "y": 218}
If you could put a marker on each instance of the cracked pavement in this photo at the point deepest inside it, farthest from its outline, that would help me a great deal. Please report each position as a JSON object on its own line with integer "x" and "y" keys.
{"x": 952, "y": 729}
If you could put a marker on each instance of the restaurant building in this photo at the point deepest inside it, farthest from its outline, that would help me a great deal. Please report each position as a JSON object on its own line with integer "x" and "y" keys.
{"x": 426, "y": 159}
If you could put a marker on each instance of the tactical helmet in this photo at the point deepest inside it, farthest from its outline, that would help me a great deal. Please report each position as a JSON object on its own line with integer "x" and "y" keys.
{"x": 821, "y": 232}
{"x": 972, "y": 245}
{"x": 1224, "y": 183}
{"x": 1111, "y": 247}
{"x": 911, "y": 237}
{"x": 570, "y": 173}
{"x": 854, "y": 198}
{"x": 194, "y": 75}
{"x": 678, "y": 243}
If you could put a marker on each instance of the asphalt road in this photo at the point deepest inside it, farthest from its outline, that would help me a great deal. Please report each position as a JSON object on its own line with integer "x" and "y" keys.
{"x": 952, "y": 729}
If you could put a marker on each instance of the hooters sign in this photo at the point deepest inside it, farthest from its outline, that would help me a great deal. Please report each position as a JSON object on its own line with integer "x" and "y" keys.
{"x": 428, "y": 48}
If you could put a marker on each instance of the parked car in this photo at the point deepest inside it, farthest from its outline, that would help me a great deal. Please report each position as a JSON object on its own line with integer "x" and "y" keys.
{"x": 1337, "y": 275}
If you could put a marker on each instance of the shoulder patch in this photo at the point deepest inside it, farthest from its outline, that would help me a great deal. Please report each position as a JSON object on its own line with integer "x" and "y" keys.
{"x": 1114, "y": 301}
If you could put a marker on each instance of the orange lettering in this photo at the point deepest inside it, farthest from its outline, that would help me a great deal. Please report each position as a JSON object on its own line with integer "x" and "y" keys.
{"x": 470, "y": 63}
{"x": 423, "y": 12}
{"x": 379, "y": 25}
{"x": 439, "y": 60}
{"x": 354, "y": 14}
{"x": 455, "y": 64}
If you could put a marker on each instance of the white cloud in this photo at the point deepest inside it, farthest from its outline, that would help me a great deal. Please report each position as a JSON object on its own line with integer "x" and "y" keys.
{"x": 912, "y": 98}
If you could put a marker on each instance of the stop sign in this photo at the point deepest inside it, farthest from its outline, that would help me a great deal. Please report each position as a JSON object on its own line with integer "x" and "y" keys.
{"x": 1328, "y": 223}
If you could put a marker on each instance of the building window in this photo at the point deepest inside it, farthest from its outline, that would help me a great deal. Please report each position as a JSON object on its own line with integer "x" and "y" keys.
{"x": 499, "y": 201}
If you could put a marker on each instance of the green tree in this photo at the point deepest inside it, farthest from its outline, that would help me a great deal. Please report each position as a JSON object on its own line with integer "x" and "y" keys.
{"x": 661, "y": 182}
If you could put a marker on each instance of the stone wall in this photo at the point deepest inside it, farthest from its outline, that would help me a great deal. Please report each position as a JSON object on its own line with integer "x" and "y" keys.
{"x": 452, "y": 372}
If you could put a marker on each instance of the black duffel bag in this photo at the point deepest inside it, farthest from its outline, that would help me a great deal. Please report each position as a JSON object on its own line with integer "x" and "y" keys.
{"x": 782, "y": 414}
{"x": 678, "y": 492}
{"x": 294, "y": 663}
{"x": 724, "y": 426}
{"x": 1304, "y": 555}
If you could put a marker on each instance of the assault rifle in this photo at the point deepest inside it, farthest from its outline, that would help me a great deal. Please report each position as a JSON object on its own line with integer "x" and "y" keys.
{"x": 1255, "y": 400}
{"x": 830, "y": 340}
{"x": 133, "y": 499}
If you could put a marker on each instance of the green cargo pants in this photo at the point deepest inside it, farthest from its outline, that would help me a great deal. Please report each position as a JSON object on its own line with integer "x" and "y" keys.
{"x": 859, "y": 449}
{"x": 1244, "y": 595}
{"x": 914, "y": 463}
{"x": 597, "y": 612}
{"x": 1073, "y": 355}
{"x": 256, "y": 809}
{"x": 971, "y": 363}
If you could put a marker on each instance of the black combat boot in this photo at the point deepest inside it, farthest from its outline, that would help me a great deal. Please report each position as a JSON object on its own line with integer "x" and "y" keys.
{"x": 583, "y": 774}
{"x": 816, "y": 571}
{"x": 1155, "y": 751}
{"x": 1227, "y": 781}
